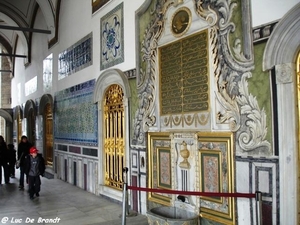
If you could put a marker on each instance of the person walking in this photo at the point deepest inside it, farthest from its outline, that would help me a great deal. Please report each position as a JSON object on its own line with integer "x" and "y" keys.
{"x": 23, "y": 151}
{"x": 34, "y": 168}
{"x": 4, "y": 158}
{"x": 12, "y": 159}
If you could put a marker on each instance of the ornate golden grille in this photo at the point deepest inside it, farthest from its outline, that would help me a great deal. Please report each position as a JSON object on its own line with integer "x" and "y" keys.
{"x": 114, "y": 145}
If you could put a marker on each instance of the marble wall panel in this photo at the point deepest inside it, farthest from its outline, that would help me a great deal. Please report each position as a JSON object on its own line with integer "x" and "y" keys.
{"x": 258, "y": 174}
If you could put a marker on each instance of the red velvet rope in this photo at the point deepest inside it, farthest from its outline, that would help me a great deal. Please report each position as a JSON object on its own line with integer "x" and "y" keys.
{"x": 209, "y": 194}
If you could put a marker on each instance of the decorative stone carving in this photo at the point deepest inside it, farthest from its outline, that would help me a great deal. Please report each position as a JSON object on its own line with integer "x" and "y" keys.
{"x": 185, "y": 155}
{"x": 284, "y": 73}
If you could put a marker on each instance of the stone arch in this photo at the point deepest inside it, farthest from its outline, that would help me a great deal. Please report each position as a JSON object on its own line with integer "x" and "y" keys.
{"x": 7, "y": 115}
{"x": 46, "y": 99}
{"x": 28, "y": 106}
{"x": 18, "y": 111}
{"x": 17, "y": 114}
{"x": 283, "y": 44}
{"x": 30, "y": 115}
{"x": 280, "y": 54}
{"x": 113, "y": 76}
{"x": 46, "y": 129}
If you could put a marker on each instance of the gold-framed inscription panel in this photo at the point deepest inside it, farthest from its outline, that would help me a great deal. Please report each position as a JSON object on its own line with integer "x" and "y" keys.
{"x": 184, "y": 75}
{"x": 216, "y": 154}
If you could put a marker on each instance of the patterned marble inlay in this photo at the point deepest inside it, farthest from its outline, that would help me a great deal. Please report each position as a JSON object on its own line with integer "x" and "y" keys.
{"x": 264, "y": 177}
{"x": 76, "y": 116}
{"x": 211, "y": 173}
{"x": 165, "y": 170}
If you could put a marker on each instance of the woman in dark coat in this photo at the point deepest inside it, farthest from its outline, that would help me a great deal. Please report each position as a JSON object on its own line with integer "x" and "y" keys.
{"x": 23, "y": 151}
{"x": 4, "y": 159}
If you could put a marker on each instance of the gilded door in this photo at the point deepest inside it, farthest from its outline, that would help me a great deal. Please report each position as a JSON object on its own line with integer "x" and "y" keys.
{"x": 114, "y": 144}
{"x": 49, "y": 135}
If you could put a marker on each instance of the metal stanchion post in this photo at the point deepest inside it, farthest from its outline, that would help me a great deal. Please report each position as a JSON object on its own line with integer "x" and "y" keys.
{"x": 258, "y": 199}
{"x": 125, "y": 197}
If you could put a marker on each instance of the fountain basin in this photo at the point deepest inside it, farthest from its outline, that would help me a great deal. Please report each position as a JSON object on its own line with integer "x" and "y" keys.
{"x": 171, "y": 215}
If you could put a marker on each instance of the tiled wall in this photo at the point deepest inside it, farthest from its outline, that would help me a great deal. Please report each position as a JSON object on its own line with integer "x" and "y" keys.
{"x": 76, "y": 116}
{"x": 76, "y": 57}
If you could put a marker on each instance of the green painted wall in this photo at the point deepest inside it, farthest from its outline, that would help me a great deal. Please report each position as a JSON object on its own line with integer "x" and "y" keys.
{"x": 260, "y": 87}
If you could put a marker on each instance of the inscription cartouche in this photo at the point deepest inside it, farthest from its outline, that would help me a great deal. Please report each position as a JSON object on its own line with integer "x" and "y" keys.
{"x": 181, "y": 21}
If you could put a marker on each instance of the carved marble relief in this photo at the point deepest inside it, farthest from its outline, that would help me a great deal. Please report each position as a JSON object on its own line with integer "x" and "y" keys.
{"x": 231, "y": 69}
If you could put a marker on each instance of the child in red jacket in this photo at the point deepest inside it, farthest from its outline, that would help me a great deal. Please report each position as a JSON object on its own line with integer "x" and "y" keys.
{"x": 35, "y": 166}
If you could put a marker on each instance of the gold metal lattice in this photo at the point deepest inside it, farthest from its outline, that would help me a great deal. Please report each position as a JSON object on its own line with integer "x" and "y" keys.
{"x": 114, "y": 145}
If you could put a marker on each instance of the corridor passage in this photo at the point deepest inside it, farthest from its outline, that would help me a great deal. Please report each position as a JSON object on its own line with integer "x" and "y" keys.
{"x": 59, "y": 203}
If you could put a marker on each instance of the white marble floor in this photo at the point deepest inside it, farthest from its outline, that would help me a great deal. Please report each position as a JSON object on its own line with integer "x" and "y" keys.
{"x": 59, "y": 203}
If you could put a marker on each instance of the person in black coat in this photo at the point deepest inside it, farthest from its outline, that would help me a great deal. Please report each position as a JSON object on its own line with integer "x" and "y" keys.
{"x": 34, "y": 168}
{"x": 23, "y": 151}
{"x": 4, "y": 159}
{"x": 12, "y": 159}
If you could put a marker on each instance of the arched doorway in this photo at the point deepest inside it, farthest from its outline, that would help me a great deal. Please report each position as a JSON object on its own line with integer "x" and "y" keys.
{"x": 111, "y": 88}
{"x": 46, "y": 111}
{"x": 281, "y": 54}
{"x": 17, "y": 127}
{"x": 30, "y": 115}
{"x": 6, "y": 116}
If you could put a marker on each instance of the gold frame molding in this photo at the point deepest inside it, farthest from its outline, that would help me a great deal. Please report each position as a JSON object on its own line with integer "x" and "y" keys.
{"x": 218, "y": 148}
{"x": 158, "y": 142}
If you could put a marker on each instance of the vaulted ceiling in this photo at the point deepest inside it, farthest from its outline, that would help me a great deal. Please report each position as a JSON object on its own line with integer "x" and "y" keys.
{"x": 17, "y": 19}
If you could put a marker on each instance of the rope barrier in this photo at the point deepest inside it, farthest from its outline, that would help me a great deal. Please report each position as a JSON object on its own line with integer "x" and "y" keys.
{"x": 257, "y": 195}
{"x": 207, "y": 194}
